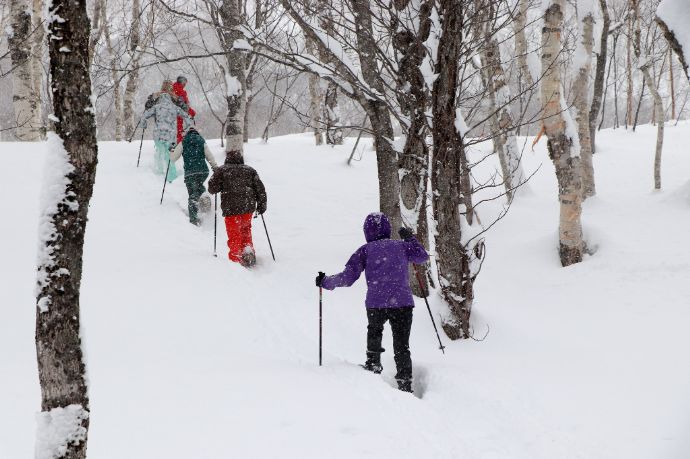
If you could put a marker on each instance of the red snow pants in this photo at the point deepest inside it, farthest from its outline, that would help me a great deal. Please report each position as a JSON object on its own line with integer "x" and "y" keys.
{"x": 239, "y": 229}
{"x": 180, "y": 129}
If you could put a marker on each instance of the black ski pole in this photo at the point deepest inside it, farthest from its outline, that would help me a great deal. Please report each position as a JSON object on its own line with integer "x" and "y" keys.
{"x": 140, "y": 145}
{"x": 421, "y": 287}
{"x": 165, "y": 180}
{"x": 268, "y": 237}
{"x": 320, "y": 324}
{"x": 215, "y": 224}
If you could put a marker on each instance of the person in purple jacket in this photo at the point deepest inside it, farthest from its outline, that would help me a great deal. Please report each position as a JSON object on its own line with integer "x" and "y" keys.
{"x": 385, "y": 263}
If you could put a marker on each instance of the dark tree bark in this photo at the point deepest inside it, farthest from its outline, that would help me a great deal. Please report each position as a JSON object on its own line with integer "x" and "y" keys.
{"x": 387, "y": 158}
{"x": 450, "y": 177}
{"x": 599, "y": 74}
{"x": 60, "y": 365}
{"x": 674, "y": 44}
{"x": 413, "y": 96}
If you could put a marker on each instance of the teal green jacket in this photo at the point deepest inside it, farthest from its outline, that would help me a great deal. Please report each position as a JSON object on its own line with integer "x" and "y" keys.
{"x": 195, "y": 153}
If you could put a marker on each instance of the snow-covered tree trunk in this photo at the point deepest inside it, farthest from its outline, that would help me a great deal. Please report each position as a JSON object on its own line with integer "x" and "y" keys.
{"x": 387, "y": 158}
{"x": 682, "y": 53}
{"x": 519, "y": 27}
{"x": 583, "y": 66}
{"x": 315, "y": 98}
{"x": 331, "y": 114}
{"x": 598, "y": 89}
{"x": 233, "y": 40}
{"x": 503, "y": 124}
{"x": 68, "y": 185}
{"x": 645, "y": 63}
{"x": 562, "y": 137}
{"x": 133, "y": 78}
{"x": 38, "y": 44}
{"x": 413, "y": 26}
{"x": 26, "y": 108}
{"x": 450, "y": 177}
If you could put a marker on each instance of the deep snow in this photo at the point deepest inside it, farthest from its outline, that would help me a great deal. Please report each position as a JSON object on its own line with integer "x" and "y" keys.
{"x": 191, "y": 357}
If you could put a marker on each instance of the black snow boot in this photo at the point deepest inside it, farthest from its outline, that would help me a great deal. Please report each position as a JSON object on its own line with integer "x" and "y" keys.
{"x": 405, "y": 385}
{"x": 248, "y": 259}
{"x": 373, "y": 362}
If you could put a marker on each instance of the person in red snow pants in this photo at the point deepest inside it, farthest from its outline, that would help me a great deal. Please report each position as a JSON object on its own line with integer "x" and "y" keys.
{"x": 239, "y": 229}
{"x": 178, "y": 89}
{"x": 241, "y": 193}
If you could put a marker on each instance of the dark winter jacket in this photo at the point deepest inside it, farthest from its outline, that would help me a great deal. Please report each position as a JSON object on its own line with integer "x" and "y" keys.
{"x": 385, "y": 264}
{"x": 242, "y": 191}
{"x": 195, "y": 153}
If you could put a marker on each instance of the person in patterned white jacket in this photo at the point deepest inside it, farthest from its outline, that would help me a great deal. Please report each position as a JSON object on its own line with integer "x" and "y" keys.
{"x": 165, "y": 113}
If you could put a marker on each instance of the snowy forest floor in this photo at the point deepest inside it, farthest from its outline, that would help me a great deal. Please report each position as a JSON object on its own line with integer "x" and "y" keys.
{"x": 192, "y": 357}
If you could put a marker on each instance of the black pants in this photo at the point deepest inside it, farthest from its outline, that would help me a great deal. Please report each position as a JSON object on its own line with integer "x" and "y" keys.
{"x": 195, "y": 188}
{"x": 401, "y": 324}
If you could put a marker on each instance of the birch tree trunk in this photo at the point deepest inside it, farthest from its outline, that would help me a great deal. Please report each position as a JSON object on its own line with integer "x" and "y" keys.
{"x": 315, "y": 98}
{"x": 645, "y": 63}
{"x": 581, "y": 100}
{"x": 599, "y": 75}
{"x": 133, "y": 79}
{"x": 37, "y": 63}
{"x": 629, "y": 76}
{"x": 560, "y": 144}
{"x": 26, "y": 109}
{"x": 64, "y": 418}
{"x": 230, "y": 31}
{"x": 503, "y": 123}
{"x": 449, "y": 171}
{"x": 519, "y": 26}
{"x": 113, "y": 73}
{"x": 331, "y": 114}
{"x": 387, "y": 158}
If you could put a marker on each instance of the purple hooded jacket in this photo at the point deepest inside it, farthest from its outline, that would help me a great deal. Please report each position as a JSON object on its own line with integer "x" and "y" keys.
{"x": 385, "y": 264}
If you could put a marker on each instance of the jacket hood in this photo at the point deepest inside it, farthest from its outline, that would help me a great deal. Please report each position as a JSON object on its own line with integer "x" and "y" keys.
{"x": 377, "y": 226}
{"x": 234, "y": 157}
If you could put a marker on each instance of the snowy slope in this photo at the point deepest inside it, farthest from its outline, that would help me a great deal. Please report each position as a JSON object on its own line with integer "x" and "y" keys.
{"x": 192, "y": 357}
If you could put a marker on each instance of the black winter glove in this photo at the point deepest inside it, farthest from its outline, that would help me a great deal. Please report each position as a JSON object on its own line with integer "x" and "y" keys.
{"x": 260, "y": 209}
{"x": 319, "y": 278}
{"x": 405, "y": 233}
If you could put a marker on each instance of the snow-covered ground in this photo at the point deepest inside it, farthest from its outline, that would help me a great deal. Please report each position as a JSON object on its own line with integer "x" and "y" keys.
{"x": 190, "y": 356}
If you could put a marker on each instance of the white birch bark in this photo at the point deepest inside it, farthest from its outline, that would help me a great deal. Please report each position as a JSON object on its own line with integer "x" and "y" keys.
{"x": 315, "y": 98}
{"x": 113, "y": 73}
{"x": 560, "y": 139}
{"x": 133, "y": 78}
{"x": 519, "y": 26}
{"x": 229, "y": 31}
{"x": 26, "y": 113}
{"x": 503, "y": 124}
{"x": 37, "y": 63}
{"x": 645, "y": 63}
{"x": 583, "y": 61}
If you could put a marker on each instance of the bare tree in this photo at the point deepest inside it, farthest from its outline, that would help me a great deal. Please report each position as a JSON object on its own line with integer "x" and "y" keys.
{"x": 645, "y": 62}
{"x": 561, "y": 137}
{"x": 26, "y": 103}
{"x": 64, "y": 419}
{"x": 583, "y": 66}
{"x": 450, "y": 177}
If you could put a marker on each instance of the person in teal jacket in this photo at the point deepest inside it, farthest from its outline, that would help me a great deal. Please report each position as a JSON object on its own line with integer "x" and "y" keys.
{"x": 195, "y": 153}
